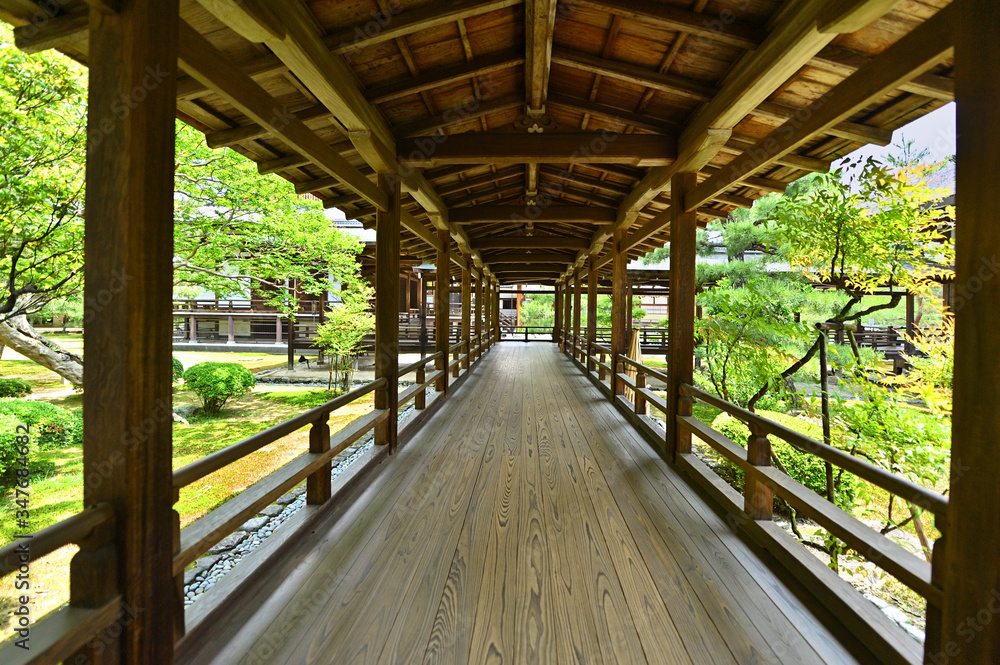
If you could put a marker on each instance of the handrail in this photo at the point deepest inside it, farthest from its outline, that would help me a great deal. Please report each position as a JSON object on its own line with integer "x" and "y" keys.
{"x": 913, "y": 493}
{"x": 403, "y": 371}
{"x": 645, "y": 369}
{"x": 70, "y": 531}
{"x": 601, "y": 348}
{"x": 200, "y": 468}
{"x": 456, "y": 346}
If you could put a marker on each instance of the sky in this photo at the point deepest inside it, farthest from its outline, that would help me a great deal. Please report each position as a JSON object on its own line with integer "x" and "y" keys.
{"x": 935, "y": 132}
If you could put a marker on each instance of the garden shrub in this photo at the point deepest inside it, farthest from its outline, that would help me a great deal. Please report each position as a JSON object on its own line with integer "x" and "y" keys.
{"x": 51, "y": 426}
{"x": 178, "y": 369}
{"x": 217, "y": 383}
{"x": 803, "y": 467}
{"x": 15, "y": 388}
{"x": 10, "y": 450}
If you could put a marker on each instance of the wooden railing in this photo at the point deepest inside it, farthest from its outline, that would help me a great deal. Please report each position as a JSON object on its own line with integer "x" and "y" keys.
{"x": 527, "y": 333}
{"x": 624, "y": 381}
{"x": 62, "y": 634}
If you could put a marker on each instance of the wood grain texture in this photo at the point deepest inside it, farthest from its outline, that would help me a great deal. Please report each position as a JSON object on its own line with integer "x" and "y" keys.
{"x": 527, "y": 523}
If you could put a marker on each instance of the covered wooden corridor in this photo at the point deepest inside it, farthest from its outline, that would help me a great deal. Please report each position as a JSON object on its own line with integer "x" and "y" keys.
{"x": 526, "y": 522}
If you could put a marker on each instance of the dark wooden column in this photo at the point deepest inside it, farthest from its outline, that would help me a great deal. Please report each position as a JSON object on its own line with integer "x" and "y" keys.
{"x": 557, "y": 313}
{"x": 680, "y": 340}
{"x": 619, "y": 307}
{"x": 496, "y": 310}
{"x": 442, "y": 300}
{"x": 467, "y": 311}
{"x": 478, "y": 328}
{"x": 567, "y": 314}
{"x": 592, "y": 277}
{"x": 387, "y": 308}
{"x": 577, "y": 301}
{"x": 969, "y": 632}
{"x": 127, "y": 295}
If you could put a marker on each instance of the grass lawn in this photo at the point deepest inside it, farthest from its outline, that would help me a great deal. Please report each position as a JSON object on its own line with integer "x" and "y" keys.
{"x": 57, "y": 483}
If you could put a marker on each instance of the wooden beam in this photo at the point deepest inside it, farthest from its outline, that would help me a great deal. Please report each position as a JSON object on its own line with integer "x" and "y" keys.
{"x": 505, "y": 148}
{"x": 613, "y": 113}
{"x": 845, "y": 16}
{"x": 584, "y": 180}
{"x": 728, "y": 29}
{"x": 916, "y": 52}
{"x": 844, "y": 62}
{"x": 522, "y": 214}
{"x": 967, "y": 632}
{"x": 478, "y": 181}
{"x": 500, "y": 268}
{"x": 532, "y": 242}
{"x": 471, "y": 109}
{"x": 127, "y": 386}
{"x": 252, "y": 131}
{"x": 539, "y": 26}
{"x": 526, "y": 257}
{"x": 481, "y": 66}
{"x": 480, "y": 194}
{"x": 204, "y": 62}
{"x": 54, "y": 32}
{"x": 387, "y": 309}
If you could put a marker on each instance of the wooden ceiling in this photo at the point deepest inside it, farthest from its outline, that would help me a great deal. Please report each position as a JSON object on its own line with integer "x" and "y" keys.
{"x": 533, "y": 130}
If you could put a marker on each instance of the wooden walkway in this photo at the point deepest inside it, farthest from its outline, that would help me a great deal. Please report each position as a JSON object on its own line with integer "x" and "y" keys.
{"x": 527, "y": 523}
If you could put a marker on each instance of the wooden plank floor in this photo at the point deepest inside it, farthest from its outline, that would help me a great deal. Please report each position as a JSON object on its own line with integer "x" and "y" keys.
{"x": 528, "y": 523}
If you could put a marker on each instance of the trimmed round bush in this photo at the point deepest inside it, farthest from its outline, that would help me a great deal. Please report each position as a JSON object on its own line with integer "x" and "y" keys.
{"x": 803, "y": 467}
{"x": 217, "y": 383}
{"x": 178, "y": 369}
{"x": 14, "y": 388}
{"x": 10, "y": 448}
{"x": 51, "y": 426}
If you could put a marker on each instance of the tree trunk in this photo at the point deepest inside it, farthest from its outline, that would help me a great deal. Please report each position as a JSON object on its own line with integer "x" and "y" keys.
{"x": 20, "y": 336}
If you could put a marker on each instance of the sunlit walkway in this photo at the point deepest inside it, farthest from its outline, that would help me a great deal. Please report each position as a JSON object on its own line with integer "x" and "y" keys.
{"x": 525, "y": 523}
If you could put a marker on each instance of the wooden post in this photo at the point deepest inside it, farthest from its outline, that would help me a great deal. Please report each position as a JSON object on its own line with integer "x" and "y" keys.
{"x": 577, "y": 301}
{"x": 442, "y": 298}
{"x": 290, "y": 343}
{"x": 557, "y": 314}
{"x": 387, "y": 309}
{"x": 591, "y": 307}
{"x": 496, "y": 310}
{"x": 193, "y": 329}
{"x": 467, "y": 312}
{"x": 911, "y": 327}
{"x": 230, "y": 330}
{"x": 970, "y": 572}
{"x": 277, "y": 329}
{"x": 680, "y": 346}
{"x": 479, "y": 314}
{"x": 567, "y": 317}
{"x": 319, "y": 483}
{"x": 619, "y": 309}
{"x": 127, "y": 386}
{"x": 640, "y": 399}
{"x": 420, "y": 399}
{"x": 758, "y": 498}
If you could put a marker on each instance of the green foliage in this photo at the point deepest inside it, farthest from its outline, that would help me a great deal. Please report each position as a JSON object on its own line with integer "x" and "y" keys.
{"x": 42, "y": 133}
{"x": 177, "y": 369}
{"x": 216, "y": 383}
{"x": 302, "y": 398}
{"x": 538, "y": 309}
{"x": 51, "y": 426}
{"x": 342, "y": 335}
{"x": 13, "y": 445}
{"x": 803, "y": 467}
{"x": 14, "y": 388}
{"x": 746, "y": 336}
{"x": 234, "y": 228}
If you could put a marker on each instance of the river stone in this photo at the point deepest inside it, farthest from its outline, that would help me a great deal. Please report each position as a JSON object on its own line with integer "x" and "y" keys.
{"x": 271, "y": 510}
{"x": 228, "y": 543}
{"x": 254, "y": 524}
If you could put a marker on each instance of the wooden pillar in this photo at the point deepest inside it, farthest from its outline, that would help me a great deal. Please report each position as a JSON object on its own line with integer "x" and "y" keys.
{"x": 577, "y": 301}
{"x": 969, "y": 631}
{"x": 496, "y": 310}
{"x": 387, "y": 309}
{"x": 467, "y": 312}
{"x": 558, "y": 311}
{"x": 567, "y": 315}
{"x": 442, "y": 299}
{"x": 911, "y": 327}
{"x": 619, "y": 320}
{"x": 478, "y": 328}
{"x": 192, "y": 329}
{"x": 127, "y": 386}
{"x": 230, "y": 330}
{"x": 591, "y": 305}
{"x": 680, "y": 343}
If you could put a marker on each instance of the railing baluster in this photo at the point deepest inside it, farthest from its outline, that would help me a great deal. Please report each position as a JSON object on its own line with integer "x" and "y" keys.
{"x": 640, "y": 399}
{"x": 758, "y": 497}
{"x": 602, "y": 373}
{"x": 420, "y": 399}
{"x": 318, "y": 484}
